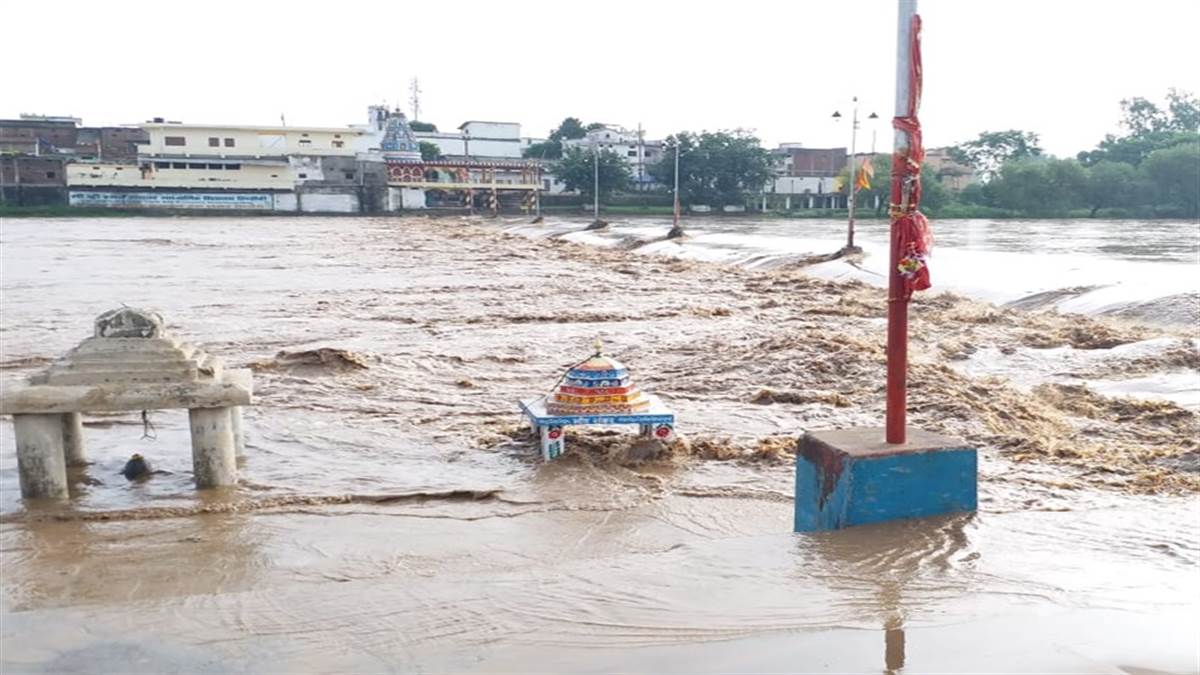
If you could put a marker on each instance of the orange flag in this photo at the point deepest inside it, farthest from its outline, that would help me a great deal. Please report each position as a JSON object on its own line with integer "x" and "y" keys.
{"x": 865, "y": 174}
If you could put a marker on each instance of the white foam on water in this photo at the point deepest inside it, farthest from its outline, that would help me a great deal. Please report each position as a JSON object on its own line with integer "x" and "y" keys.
{"x": 1095, "y": 265}
{"x": 1026, "y": 367}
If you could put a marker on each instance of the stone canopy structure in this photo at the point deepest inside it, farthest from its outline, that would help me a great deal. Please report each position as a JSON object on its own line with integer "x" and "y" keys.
{"x": 129, "y": 364}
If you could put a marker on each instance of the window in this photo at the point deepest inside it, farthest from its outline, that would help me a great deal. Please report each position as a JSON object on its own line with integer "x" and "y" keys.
{"x": 214, "y": 142}
{"x": 174, "y": 140}
{"x": 632, "y": 153}
{"x": 216, "y": 167}
{"x": 233, "y": 167}
{"x": 348, "y": 174}
{"x": 305, "y": 135}
{"x": 49, "y": 174}
{"x": 162, "y": 165}
{"x": 338, "y": 144}
{"x": 229, "y": 142}
{"x": 546, "y": 184}
{"x": 178, "y": 165}
{"x": 337, "y": 135}
{"x": 305, "y": 141}
{"x": 299, "y": 175}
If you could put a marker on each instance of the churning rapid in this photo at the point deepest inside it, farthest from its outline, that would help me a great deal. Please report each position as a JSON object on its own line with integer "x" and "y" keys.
{"x": 393, "y": 516}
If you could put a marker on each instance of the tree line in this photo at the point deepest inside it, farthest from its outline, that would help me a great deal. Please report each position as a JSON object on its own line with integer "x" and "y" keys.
{"x": 1150, "y": 169}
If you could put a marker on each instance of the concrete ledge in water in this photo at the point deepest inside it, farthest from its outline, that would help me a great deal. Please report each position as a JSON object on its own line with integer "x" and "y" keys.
{"x": 232, "y": 388}
{"x": 852, "y": 477}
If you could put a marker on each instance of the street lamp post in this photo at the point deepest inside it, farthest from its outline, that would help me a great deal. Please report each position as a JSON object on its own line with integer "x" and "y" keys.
{"x": 676, "y": 230}
{"x": 596, "y": 182}
{"x": 676, "y": 192}
{"x": 852, "y": 170}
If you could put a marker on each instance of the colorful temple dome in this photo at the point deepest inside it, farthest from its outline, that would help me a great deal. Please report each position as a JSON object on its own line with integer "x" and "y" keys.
{"x": 598, "y": 386}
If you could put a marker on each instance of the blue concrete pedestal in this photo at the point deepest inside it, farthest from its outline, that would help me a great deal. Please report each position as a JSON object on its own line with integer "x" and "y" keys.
{"x": 849, "y": 477}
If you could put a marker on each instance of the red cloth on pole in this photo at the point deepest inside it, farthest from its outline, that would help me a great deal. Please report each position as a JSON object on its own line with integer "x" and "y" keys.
{"x": 910, "y": 225}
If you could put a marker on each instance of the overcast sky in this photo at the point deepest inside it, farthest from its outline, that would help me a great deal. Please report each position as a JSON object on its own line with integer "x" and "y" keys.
{"x": 1055, "y": 67}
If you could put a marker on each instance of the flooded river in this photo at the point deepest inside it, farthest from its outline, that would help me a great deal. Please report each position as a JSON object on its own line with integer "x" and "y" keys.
{"x": 393, "y": 517}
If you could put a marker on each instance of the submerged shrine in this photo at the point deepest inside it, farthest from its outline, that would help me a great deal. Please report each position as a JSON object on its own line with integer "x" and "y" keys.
{"x": 598, "y": 390}
{"x": 129, "y": 363}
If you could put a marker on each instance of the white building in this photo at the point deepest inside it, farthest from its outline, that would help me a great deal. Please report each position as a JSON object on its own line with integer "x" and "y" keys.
{"x": 245, "y": 167}
{"x": 639, "y": 153}
{"x": 478, "y": 139}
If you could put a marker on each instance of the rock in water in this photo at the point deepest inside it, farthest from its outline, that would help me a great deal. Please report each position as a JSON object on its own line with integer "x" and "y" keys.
{"x": 129, "y": 322}
{"x": 137, "y": 468}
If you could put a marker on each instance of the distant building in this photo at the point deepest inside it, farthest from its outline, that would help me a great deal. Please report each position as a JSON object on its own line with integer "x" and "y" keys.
{"x": 110, "y": 144}
{"x": 32, "y": 180}
{"x": 238, "y": 166}
{"x": 950, "y": 173}
{"x": 371, "y": 167}
{"x": 33, "y": 152}
{"x": 39, "y": 134}
{"x": 639, "y": 154}
{"x": 478, "y": 139}
{"x": 793, "y": 160}
{"x": 807, "y": 177}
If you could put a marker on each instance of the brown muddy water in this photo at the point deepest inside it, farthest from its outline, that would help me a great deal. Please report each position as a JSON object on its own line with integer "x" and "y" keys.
{"x": 393, "y": 517}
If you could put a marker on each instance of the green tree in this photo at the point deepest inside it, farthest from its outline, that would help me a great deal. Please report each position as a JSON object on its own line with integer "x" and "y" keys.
{"x": 1149, "y": 127}
{"x": 430, "y": 151}
{"x": 715, "y": 168}
{"x": 981, "y": 194}
{"x": 576, "y": 171}
{"x": 1133, "y": 149}
{"x": 1021, "y": 185}
{"x": 992, "y": 149}
{"x": 422, "y": 126}
{"x": 934, "y": 195}
{"x": 1184, "y": 109}
{"x": 1111, "y": 184}
{"x": 1040, "y": 186}
{"x": 1174, "y": 174}
{"x": 570, "y": 127}
{"x": 1068, "y": 180}
{"x": 1142, "y": 117}
{"x": 543, "y": 150}
{"x": 551, "y": 148}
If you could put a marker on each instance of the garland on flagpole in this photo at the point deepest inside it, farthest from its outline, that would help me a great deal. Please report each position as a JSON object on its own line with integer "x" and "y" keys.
{"x": 911, "y": 226}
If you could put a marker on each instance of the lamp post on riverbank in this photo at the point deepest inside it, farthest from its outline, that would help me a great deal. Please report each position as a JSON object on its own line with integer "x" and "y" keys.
{"x": 852, "y": 170}
{"x": 676, "y": 229}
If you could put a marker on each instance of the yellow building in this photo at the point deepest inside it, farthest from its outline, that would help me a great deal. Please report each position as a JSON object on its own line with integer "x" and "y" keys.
{"x": 225, "y": 175}
{"x": 221, "y": 141}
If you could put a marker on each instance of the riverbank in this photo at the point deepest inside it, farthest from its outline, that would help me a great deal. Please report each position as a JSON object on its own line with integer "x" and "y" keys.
{"x": 354, "y": 541}
{"x": 949, "y": 212}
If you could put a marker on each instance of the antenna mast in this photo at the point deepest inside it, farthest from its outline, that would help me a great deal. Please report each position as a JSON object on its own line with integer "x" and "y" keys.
{"x": 414, "y": 89}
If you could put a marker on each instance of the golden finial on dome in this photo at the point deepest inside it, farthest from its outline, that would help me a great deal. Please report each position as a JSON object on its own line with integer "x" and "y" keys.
{"x": 599, "y": 347}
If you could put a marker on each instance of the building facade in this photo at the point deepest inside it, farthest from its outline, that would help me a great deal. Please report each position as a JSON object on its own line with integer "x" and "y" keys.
{"x": 952, "y": 174}
{"x": 477, "y": 139}
{"x": 639, "y": 154}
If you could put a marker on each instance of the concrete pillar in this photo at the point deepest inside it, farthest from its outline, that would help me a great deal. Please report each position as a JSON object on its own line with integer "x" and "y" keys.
{"x": 239, "y": 436}
{"x": 214, "y": 459}
{"x": 72, "y": 424}
{"x": 41, "y": 461}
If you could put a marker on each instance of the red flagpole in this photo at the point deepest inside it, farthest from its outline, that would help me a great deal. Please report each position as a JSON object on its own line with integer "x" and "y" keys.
{"x": 905, "y": 196}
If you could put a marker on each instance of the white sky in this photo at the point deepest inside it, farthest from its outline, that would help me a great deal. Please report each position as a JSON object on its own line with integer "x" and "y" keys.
{"x": 1055, "y": 67}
